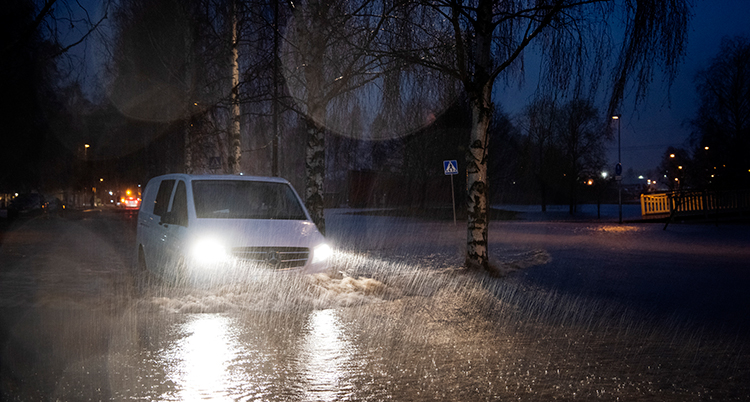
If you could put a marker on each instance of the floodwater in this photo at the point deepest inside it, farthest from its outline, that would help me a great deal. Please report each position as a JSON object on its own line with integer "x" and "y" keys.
{"x": 397, "y": 319}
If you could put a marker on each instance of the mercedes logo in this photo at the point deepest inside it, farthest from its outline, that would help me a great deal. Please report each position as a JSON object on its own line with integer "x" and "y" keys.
{"x": 272, "y": 258}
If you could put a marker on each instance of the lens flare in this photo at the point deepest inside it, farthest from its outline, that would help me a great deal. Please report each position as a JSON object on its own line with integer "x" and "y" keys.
{"x": 209, "y": 250}
{"x": 322, "y": 253}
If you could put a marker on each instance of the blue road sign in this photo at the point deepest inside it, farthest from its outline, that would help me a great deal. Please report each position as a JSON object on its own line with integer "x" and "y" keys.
{"x": 214, "y": 163}
{"x": 450, "y": 167}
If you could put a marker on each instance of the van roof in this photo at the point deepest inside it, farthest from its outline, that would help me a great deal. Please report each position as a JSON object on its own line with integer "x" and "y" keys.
{"x": 191, "y": 177}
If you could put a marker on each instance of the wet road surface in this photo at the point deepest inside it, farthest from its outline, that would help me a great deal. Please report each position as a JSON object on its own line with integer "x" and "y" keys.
{"x": 588, "y": 311}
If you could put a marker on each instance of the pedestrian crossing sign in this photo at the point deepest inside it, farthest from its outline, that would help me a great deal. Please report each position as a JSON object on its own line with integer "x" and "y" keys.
{"x": 450, "y": 167}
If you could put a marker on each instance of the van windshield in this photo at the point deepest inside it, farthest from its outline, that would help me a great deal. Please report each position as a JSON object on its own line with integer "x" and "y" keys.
{"x": 242, "y": 199}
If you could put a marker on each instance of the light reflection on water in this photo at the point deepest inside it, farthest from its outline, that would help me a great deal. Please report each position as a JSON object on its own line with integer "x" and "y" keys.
{"x": 465, "y": 340}
{"x": 201, "y": 361}
{"x": 325, "y": 357}
{"x": 225, "y": 358}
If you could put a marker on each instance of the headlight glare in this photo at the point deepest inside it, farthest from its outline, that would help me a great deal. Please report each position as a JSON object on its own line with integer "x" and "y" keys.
{"x": 209, "y": 251}
{"x": 321, "y": 253}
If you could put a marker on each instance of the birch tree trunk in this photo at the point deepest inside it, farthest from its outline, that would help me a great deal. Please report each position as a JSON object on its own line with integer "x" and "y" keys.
{"x": 479, "y": 87}
{"x": 316, "y": 102}
{"x": 315, "y": 151}
{"x": 477, "y": 185}
{"x": 315, "y": 161}
{"x": 235, "y": 149}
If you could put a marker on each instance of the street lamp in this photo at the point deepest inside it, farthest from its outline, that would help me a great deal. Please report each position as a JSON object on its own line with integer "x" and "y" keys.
{"x": 618, "y": 169}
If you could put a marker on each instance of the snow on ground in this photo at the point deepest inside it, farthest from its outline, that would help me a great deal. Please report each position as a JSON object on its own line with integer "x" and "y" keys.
{"x": 605, "y": 212}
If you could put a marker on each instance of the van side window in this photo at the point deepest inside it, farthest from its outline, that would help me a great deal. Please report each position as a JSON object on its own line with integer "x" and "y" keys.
{"x": 162, "y": 197}
{"x": 179, "y": 205}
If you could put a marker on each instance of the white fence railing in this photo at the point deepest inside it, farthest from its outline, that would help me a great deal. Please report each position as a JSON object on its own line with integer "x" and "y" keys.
{"x": 684, "y": 203}
{"x": 653, "y": 205}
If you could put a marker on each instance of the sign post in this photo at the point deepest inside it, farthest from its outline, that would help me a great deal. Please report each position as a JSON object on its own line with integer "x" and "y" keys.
{"x": 214, "y": 163}
{"x": 451, "y": 168}
{"x": 618, "y": 177}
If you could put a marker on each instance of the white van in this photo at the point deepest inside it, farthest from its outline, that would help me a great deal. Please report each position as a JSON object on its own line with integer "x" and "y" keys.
{"x": 211, "y": 226}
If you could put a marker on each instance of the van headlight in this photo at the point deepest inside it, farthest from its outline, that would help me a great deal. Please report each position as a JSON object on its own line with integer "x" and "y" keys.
{"x": 321, "y": 253}
{"x": 209, "y": 251}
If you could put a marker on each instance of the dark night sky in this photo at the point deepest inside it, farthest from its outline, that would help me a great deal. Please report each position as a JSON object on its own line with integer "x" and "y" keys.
{"x": 663, "y": 121}
{"x": 646, "y": 134}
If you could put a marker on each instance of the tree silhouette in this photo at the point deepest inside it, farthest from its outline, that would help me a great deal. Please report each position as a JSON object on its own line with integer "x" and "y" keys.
{"x": 721, "y": 135}
{"x": 37, "y": 73}
{"x": 474, "y": 42}
{"x": 580, "y": 137}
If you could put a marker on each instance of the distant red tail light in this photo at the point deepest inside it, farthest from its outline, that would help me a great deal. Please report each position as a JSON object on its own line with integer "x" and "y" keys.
{"x": 131, "y": 202}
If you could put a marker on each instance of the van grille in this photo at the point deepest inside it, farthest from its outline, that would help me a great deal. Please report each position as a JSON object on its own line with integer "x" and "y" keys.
{"x": 274, "y": 257}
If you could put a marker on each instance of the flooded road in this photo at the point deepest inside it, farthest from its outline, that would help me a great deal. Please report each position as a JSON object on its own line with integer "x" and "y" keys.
{"x": 395, "y": 320}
